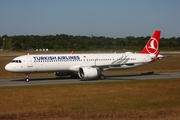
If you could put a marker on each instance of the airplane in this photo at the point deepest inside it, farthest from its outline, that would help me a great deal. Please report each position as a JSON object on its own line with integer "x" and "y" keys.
{"x": 85, "y": 66}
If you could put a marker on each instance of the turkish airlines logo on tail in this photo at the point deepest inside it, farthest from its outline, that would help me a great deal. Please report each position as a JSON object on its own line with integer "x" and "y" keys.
{"x": 152, "y": 45}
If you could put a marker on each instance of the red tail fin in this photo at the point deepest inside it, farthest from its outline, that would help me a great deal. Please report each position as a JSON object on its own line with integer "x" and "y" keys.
{"x": 153, "y": 44}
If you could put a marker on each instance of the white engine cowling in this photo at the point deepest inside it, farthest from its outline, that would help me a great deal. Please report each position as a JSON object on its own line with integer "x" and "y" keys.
{"x": 86, "y": 73}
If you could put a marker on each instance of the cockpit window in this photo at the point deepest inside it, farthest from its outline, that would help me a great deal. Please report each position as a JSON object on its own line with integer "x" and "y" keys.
{"x": 16, "y": 61}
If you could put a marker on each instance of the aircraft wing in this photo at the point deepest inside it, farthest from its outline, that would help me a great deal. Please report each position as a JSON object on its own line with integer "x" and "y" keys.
{"x": 113, "y": 65}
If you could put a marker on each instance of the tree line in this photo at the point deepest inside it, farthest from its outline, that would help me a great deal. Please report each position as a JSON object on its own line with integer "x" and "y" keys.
{"x": 82, "y": 43}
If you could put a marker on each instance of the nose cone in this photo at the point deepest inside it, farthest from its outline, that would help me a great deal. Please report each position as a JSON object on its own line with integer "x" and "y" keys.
{"x": 8, "y": 67}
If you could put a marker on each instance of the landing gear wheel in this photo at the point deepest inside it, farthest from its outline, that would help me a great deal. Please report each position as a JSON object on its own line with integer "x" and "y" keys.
{"x": 102, "y": 77}
{"x": 27, "y": 78}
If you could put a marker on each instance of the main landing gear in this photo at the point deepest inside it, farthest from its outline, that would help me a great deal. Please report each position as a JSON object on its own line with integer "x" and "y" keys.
{"x": 27, "y": 78}
{"x": 102, "y": 77}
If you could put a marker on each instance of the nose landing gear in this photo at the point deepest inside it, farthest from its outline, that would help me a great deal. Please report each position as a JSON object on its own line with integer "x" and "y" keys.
{"x": 27, "y": 78}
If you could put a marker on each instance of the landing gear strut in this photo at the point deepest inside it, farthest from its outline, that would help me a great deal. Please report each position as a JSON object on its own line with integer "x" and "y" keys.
{"x": 100, "y": 75}
{"x": 27, "y": 78}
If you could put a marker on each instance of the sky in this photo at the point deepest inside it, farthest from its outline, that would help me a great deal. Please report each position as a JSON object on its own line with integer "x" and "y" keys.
{"x": 109, "y": 18}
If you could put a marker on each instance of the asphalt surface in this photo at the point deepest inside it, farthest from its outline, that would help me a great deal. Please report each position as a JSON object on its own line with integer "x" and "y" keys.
{"x": 67, "y": 80}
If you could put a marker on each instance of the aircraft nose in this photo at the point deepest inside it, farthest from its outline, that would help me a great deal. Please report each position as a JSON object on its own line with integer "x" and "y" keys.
{"x": 8, "y": 67}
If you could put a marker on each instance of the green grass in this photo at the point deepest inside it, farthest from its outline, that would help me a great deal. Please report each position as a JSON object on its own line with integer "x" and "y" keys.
{"x": 147, "y": 99}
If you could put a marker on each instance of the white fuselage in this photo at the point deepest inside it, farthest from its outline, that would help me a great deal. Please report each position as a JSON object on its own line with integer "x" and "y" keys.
{"x": 72, "y": 62}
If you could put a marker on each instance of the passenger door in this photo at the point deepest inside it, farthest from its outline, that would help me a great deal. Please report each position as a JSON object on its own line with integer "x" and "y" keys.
{"x": 29, "y": 61}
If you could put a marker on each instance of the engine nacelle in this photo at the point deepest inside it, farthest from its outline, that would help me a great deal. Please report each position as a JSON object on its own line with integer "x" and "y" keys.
{"x": 86, "y": 73}
{"x": 62, "y": 73}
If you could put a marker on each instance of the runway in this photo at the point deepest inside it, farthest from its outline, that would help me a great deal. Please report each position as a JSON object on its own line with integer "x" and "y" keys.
{"x": 67, "y": 80}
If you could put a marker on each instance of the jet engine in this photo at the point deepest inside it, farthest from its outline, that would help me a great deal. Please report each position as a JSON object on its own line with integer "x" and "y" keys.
{"x": 86, "y": 73}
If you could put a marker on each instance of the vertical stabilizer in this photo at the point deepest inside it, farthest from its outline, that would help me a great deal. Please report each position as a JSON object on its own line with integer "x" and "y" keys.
{"x": 153, "y": 44}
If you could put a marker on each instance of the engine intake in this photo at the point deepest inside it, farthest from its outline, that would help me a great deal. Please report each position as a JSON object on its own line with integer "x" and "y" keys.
{"x": 86, "y": 73}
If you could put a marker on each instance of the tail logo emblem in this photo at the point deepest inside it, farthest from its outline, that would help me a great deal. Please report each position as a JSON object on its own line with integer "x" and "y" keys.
{"x": 152, "y": 46}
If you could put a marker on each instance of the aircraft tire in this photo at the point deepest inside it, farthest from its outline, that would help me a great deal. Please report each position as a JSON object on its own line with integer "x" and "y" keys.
{"x": 102, "y": 77}
{"x": 27, "y": 79}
